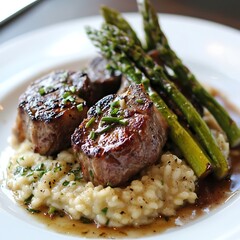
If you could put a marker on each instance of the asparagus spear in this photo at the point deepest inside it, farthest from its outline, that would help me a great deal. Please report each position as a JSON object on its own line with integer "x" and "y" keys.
{"x": 113, "y": 17}
{"x": 119, "y": 40}
{"x": 190, "y": 149}
{"x": 149, "y": 21}
{"x": 188, "y": 80}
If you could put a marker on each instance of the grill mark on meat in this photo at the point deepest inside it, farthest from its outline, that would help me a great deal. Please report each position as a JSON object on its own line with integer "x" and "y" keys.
{"x": 117, "y": 155}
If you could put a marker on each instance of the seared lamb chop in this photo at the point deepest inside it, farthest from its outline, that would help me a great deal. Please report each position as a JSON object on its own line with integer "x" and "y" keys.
{"x": 104, "y": 81}
{"x": 121, "y": 135}
{"x": 51, "y": 108}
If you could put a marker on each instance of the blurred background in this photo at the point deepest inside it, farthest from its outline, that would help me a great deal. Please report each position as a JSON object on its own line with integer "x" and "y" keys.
{"x": 48, "y": 12}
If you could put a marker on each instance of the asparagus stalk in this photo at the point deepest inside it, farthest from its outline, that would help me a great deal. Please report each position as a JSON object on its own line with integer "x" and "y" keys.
{"x": 194, "y": 155}
{"x": 113, "y": 17}
{"x": 187, "y": 78}
{"x": 120, "y": 41}
{"x": 149, "y": 21}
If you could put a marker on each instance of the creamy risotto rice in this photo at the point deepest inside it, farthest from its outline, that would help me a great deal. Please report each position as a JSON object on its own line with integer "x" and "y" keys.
{"x": 42, "y": 181}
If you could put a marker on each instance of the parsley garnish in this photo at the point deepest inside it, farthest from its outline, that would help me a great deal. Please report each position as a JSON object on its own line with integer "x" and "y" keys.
{"x": 140, "y": 101}
{"x": 104, "y": 210}
{"x": 98, "y": 110}
{"x": 90, "y": 122}
{"x": 31, "y": 210}
{"x": 28, "y": 200}
{"x": 92, "y": 135}
{"x": 65, "y": 183}
{"x": 41, "y": 91}
{"x": 80, "y": 107}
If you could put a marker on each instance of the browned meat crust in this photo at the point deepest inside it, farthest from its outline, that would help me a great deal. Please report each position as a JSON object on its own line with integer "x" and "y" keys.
{"x": 112, "y": 153}
{"x": 51, "y": 108}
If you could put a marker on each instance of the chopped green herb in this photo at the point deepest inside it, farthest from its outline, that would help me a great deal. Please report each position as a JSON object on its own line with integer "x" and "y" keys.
{"x": 90, "y": 122}
{"x": 39, "y": 167}
{"x": 66, "y": 94}
{"x": 29, "y": 174}
{"x": 92, "y": 135}
{"x": 85, "y": 220}
{"x": 57, "y": 168}
{"x": 140, "y": 101}
{"x": 72, "y": 89}
{"x": 111, "y": 119}
{"x": 31, "y": 210}
{"x": 41, "y": 173}
{"x": 21, "y": 170}
{"x": 28, "y": 200}
{"x": 41, "y": 91}
{"x": 114, "y": 120}
{"x": 24, "y": 171}
{"x": 114, "y": 111}
{"x": 103, "y": 130}
{"x": 98, "y": 110}
{"x": 69, "y": 98}
{"x": 20, "y": 159}
{"x": 104, "y": 210}
{"x": 77, "y": 173}
{"x": 51, "y": 210}
{"x": 80, "y": 107}
{"x": 115, "y": 104}
{"x": 65, "y": 183}
{"x": 107, "y": 222}
{"x": 109, "y": 67}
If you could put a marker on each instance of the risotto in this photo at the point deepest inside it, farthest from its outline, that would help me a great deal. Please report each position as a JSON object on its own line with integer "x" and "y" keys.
{"x": 39, "y": 181}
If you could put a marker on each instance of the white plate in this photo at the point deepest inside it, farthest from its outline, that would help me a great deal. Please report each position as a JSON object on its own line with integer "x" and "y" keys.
{"x": 210, "y": 50}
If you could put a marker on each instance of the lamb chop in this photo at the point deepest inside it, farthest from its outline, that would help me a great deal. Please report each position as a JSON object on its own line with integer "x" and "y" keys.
{"x": 51, "y": 108}
{"x": 121, "y": 135}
